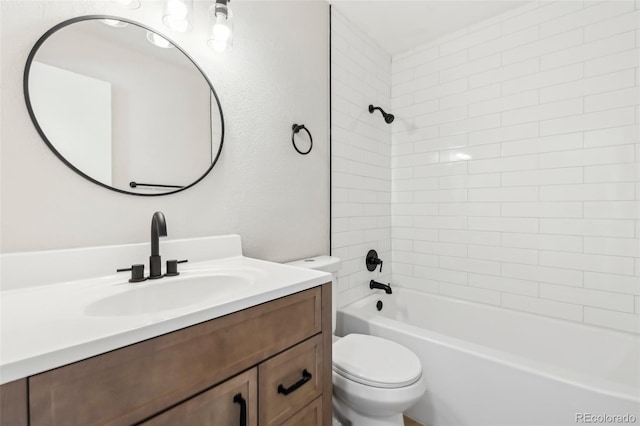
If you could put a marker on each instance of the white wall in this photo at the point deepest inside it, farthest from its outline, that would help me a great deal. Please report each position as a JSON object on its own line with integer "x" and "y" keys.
{"x": 277, "y": 200}
{"x": 515, "y": 163}
{"x": 361, "y": 149}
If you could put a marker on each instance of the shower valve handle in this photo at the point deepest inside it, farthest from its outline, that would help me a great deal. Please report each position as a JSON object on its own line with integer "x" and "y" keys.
{"x": 379, "y": 262}
{"x": 372, "y": 261}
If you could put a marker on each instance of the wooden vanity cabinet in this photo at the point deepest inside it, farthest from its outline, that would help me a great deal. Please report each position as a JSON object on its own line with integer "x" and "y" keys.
{"x": 285, "y": 389}
{"x": 276, "y": 356}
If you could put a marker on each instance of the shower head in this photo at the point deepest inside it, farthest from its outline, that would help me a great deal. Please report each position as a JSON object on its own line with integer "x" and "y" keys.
{"x": 387, "y": 117}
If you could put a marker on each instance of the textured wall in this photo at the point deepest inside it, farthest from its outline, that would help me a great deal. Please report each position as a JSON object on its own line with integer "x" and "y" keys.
{"x": 515, "y": 163}
{"x": 277, "y": 200}
{"x": 361, "y": 151}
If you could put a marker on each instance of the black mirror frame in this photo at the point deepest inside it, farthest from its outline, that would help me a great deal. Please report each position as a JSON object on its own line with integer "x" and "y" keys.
{"x": 25, "y": 83}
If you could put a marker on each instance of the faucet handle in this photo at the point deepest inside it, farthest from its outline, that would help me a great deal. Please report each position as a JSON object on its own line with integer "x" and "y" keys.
{"x": 372, "y": 261}
{"x": 137, "y": 273}
{"x": 172, "y": 267}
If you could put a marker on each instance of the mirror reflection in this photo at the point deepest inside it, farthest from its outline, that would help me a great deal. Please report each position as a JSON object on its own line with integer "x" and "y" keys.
{"x": 123, "y": 106}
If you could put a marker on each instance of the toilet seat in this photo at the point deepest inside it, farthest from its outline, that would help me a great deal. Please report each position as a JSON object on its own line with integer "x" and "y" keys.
{"x": 375, "y": 362}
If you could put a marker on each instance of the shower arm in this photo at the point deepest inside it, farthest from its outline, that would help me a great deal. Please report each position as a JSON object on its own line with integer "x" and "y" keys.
{"x": 388, "y": 118}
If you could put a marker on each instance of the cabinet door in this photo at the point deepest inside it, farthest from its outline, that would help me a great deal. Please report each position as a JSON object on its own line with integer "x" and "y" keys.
{"x": 13, "y": 403}
{"x": 311, "y": 415}
{"x": 232, "y": 403}
{"x": 290, "y": 381}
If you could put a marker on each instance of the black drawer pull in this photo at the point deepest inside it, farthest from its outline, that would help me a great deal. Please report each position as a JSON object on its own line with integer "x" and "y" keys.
{"x": 306, "y": 376}
{"x": 238, "y": 399}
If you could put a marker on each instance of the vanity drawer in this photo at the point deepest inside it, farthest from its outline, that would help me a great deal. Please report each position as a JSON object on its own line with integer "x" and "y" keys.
{"x": 221, "y": 405}
{"x": 290, "y": 381}
{"x": 311, "y": 415}
{"x": 131, "y": 384}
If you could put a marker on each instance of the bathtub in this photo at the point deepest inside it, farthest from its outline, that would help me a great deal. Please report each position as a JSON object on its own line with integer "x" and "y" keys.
{"x": 492, "y": 366}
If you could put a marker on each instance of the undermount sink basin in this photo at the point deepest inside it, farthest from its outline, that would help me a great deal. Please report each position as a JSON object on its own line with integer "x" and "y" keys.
{"x": 154, "y": 296}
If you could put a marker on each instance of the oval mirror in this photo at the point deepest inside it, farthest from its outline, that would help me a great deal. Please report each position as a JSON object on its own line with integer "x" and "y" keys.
{"x": 123, "y": 106}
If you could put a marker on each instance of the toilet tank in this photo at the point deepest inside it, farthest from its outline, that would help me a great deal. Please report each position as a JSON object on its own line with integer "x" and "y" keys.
{"x": 325, "y": 264}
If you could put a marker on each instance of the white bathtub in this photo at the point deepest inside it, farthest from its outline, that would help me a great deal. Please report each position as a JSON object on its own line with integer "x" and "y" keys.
{"x": 492, "y": 366}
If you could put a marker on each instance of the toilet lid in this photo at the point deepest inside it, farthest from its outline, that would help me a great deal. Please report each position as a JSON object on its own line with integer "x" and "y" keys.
{"x": 376, "y": 362}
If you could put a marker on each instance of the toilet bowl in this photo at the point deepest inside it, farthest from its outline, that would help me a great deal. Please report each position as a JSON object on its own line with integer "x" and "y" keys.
{"x": 374, "y": 380}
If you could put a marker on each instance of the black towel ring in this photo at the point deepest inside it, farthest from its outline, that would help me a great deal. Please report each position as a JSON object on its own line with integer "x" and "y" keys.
{"x": 296, "y": 128}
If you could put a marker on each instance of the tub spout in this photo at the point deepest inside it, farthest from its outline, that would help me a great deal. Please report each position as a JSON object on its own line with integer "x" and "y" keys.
{"x": 376, "y": 285}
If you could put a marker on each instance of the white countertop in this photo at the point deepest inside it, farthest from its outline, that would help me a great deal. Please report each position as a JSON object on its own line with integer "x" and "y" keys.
{"x": 48, "y": 326}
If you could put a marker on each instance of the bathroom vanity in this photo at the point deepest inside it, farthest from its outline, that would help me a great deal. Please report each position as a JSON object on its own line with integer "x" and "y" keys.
{"x": 268, "y": 363}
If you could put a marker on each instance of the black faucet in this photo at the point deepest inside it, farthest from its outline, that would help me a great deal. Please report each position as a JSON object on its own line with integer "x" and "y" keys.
{"x": 375, "y": 284}
{"x": 158, "y": 229}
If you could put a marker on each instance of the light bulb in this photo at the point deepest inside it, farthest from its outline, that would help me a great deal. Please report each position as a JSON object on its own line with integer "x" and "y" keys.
{"x": 177, "y": 9}
{"x": 221, "y": 30}
{"x": 177, "y": 15}
{"x": 158, "y": 40}
{"x": 221, "y": 27}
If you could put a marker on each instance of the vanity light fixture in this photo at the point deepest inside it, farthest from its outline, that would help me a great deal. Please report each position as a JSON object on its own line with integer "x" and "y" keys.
{"x": 158, "y": 40}
{"x": 114, "y": 23}
{"x": 221, "y": 23}
{"x": 178, "y": 15}
{"x": 129, "y": 4}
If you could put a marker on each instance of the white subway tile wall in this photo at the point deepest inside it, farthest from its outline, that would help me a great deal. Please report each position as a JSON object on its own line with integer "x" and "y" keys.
{"x": 361, "y": 157}
{"x": 515, "y": 172}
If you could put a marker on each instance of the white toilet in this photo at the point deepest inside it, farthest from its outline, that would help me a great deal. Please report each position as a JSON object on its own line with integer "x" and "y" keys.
{"x": 374, "y": 380}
